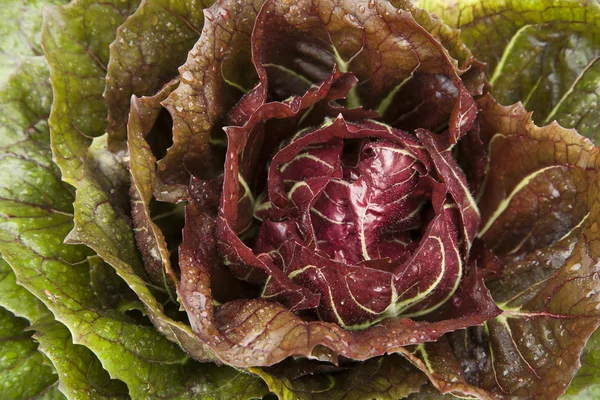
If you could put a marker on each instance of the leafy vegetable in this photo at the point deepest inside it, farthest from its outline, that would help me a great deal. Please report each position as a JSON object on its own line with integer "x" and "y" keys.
{"x": 59, "y": 274}
{"x": 325, "y": 199}
{"x": 20, "y": 33}
{"x": 546, "y": 57}
{"x": 389, "y": 377}
{"x": 585, "y": 384}
{"x": 24, "y": 371}
{"x": 80, "y": 372}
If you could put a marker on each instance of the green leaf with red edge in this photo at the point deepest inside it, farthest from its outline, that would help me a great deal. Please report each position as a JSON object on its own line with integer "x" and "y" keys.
{"x": 546, "y": 55}
{"x": 105, "y": 229}
{"x": 142, "y": 167}
{"x": 217, "y": 72}
{"x": 438, "y": 28}
{"x": 139, "y": 63}
{"x": 535, "y": 345}
{"x": 383, "y": 378}
{"x": 539, "y": 181}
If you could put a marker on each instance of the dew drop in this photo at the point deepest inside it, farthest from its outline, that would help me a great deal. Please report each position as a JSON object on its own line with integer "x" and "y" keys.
{"x": 575, "y": 267}
{"x": 187, "y": 76}
{"x": 350, "y": 18}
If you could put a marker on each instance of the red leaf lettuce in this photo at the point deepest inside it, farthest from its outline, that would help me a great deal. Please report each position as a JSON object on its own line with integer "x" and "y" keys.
{"x": 326, "y": 196}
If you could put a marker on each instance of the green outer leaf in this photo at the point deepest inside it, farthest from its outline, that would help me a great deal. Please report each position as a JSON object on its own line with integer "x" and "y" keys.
{"x": 589, "y": 393}
{"x": 24, "y": 372}
{"x": 34, "y": 180}
{"x": 26, "y": 100}
{"x": 18, "y": 300}
{"x": 96, "y": 173}
{"x": 75, "y": 38}
{"x": 586, "y": 385}
{"x": 81, "y": 375}
{"x": 487, "y": 26}
{"x": 578, "y": 107}
{"x": 554, "y": 68}
{"x": 546, "y": 55}
{"x": 35, "y": 216}
{"x": 56, "y": 273}
{"x": 20, "y": 32}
